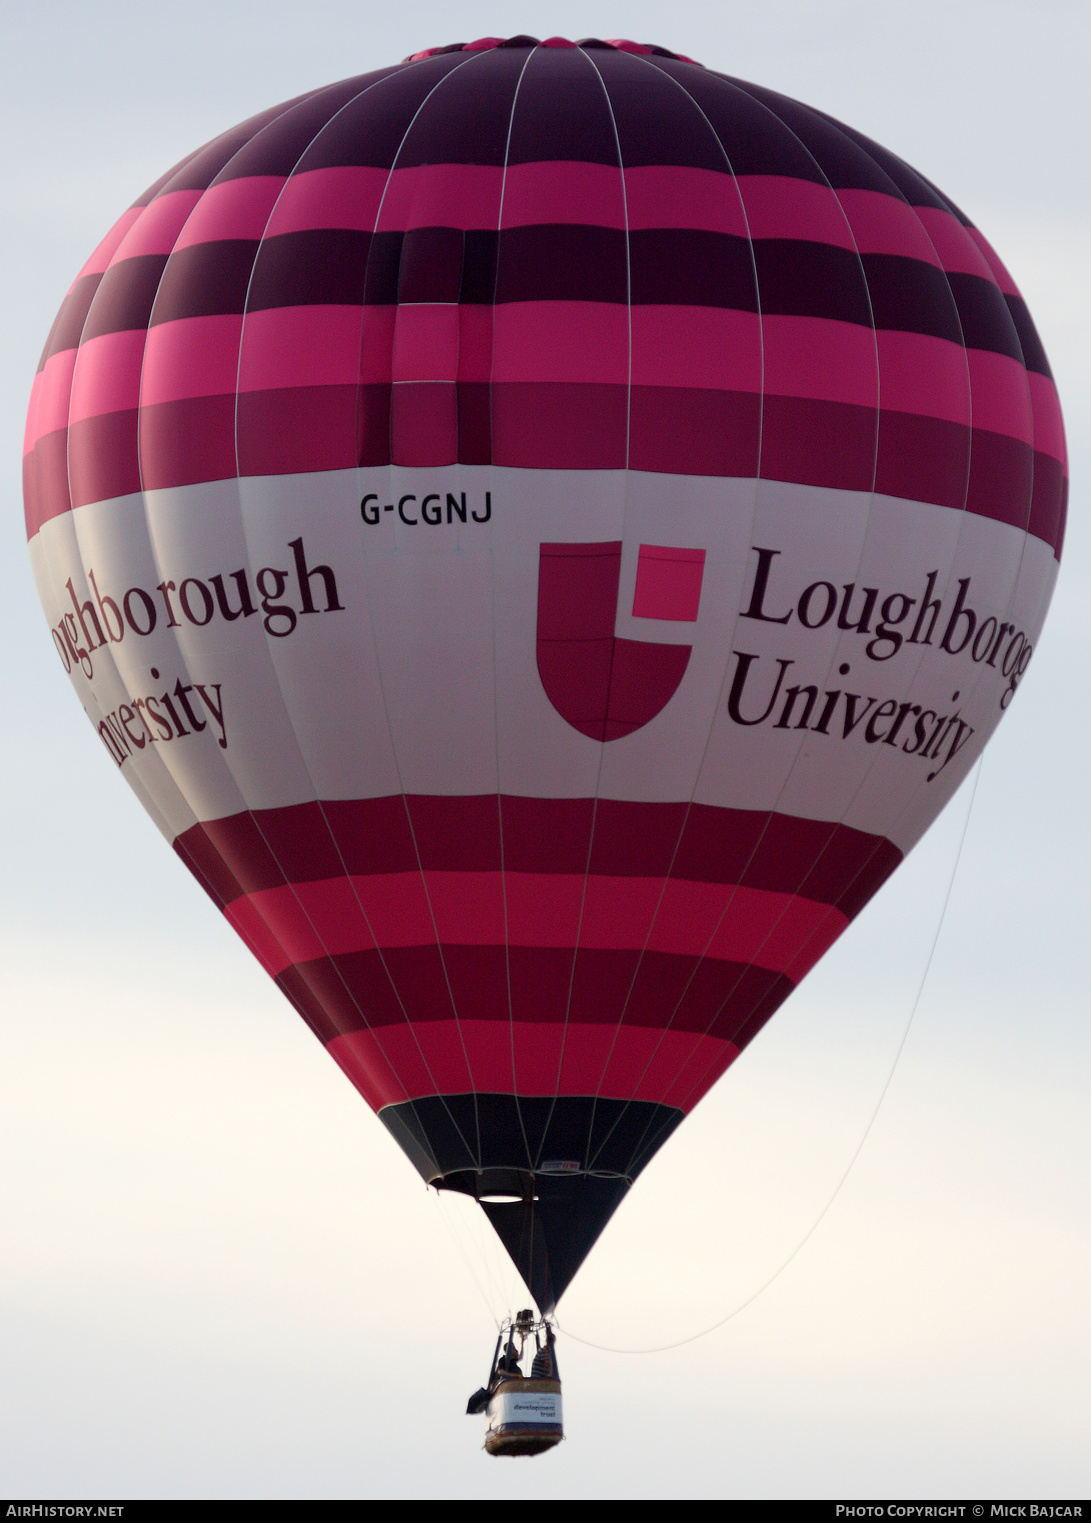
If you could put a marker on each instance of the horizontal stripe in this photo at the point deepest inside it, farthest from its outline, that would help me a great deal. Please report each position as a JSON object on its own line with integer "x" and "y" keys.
{"x": 571, "y": 262}
{"x": 236, "y": 208}
{"x": 562, "y": 342}
{"x": 303, "y": 921}
{"x": 882, "y": 224}
{"x": 533, "y": 986}
{"x": 452, "y": 1133}
{"x": 997, "y": 268}
{"x": 125, "y": 296}
{"x": 159, "y": 224}
{"x": 197, "y": 357}
{"x": 68, "y": 324}
{"x": 50, "y": 398}
{"x": 782, "y": 854}
{"x": 1048, "y": 423}
{"x": 106, "y": 378}
{"x": 395, "y": 1064}
{"x": 105, "y": 250}
{"x": 580, "y": 427}
{"x": 955, "y": 244}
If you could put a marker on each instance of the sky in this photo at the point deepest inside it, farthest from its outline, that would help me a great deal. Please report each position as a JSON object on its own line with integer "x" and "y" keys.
{"x": 218, "y": 1275}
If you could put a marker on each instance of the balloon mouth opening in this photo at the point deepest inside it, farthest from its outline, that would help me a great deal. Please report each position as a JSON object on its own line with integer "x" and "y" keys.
{"x": 495, "y": 1186}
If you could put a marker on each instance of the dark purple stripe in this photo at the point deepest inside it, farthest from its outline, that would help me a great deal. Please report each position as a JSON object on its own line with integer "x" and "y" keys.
{"x": 310, "y": 428}
{"x": 579, "y": 427}
{"x": 184, "y": 442}
{"x": 125, "y": 296}
{"x": 829, "y": 863}
{"x": 562, "y": 111}
{"x": 275, "y": 149}
{"x": 692, "y": 432}
{"x": 337, "y": 995}
{"x": 67, "y": 328}
{"x": 370, "y": 129}
{"x": 102, "y": 457}
{"x": 45, "y": 481}
{"x": 656, "y": 123}
{"x": 204, "y": 280}
{"x": 466, "y": 119}
{"x": 1033, "y": 351}
{"x": 1049, "y": 503}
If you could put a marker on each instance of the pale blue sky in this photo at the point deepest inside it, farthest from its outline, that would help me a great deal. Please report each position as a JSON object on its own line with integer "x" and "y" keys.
{"x": 220, "y": 1278}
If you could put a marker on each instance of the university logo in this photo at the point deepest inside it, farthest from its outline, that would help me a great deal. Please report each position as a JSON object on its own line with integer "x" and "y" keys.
{"x": 604, "y": 686}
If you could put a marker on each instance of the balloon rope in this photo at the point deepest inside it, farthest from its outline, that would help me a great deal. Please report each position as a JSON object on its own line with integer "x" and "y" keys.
{"x": 663, "y": 1348}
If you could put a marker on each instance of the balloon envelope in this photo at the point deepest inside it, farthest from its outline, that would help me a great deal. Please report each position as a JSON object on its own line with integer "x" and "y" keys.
{"x": 543, "y": 529}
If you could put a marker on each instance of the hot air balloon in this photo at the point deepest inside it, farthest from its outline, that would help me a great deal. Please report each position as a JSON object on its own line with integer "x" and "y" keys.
{"x": 543, "y": 529}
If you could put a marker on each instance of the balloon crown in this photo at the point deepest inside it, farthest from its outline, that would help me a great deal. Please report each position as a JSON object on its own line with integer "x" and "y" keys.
{"x": 482, "y": 44}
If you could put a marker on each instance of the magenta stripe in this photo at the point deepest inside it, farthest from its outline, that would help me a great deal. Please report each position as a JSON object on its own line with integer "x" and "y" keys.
{"x": 442, "y": 195}
{"x": 714, "y": 347}
{"x": 426, "y": 342}
{"x": 50, "y": 396}
{"x": 778, "y": 207}
{"x": 393, "y": 1064}
{"x": 307, "y": 346}
{"x": 566, "y": 341}
{"x": 996, "y": 266}
{"x": 469, "y": 196}
{"x": 45, "y": 481}
{"x": 1048, "y": 423}
{"x": 558, "y": 342}
{"x": 883, "y": 224}
{"x": 345, "y": 197}
{"x": 586, "y": 427}
{"x": 955, "y": 245}
{"x": 673, "y": 195}
{"x": 821, "y": 359}
{"x": 193, "y": 357}
{"x": 106, "y": 377}
{"x": 1001, "y": 397}
{"x": 923, "y": 375}
{"x": 104, "y": 253}
{"x": 158, "y": 226}
{"x": 304, "y": 921}
{"x": 232, "y": 209}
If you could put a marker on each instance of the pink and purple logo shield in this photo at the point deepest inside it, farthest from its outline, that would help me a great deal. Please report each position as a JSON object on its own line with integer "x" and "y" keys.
{"x": 604, "y": 686}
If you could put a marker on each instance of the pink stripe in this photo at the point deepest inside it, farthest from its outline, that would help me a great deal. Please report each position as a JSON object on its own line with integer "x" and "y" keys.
{"x": 394, "y": 1063}
{"x": 104, "y": 253}
{"x": 442, "y": 195}
{"x": 158, "y": 226}
{"x": 953, "y": 243}
{"x": 426, "y": 342}
{"x": 192, "y": 357}
{"x": 1048, "y": 422}
{"x": 882, "y": 224}
{"x": 232, "y": 209}
{"x": 106, "y": 377}
{"x": 469, "y": 196}
{"x": 820, "y": 358}
{"x": 669, "y": 195}
{"x": 345, "y": 197}
{"x": 563, "y": 191}
{"x": 312, "y": 346}
{"x": 997, "y": 267}
{"x": 561, "y": 341}
{"x": 332, "y": 916}
{"x": 1001, "y": 397}
{"x": 778, "y": 206}
{"x": 475, "y": 328}
{"x": 715, "y": 347}
{"x": 923, "y": 375}
{"x": 50, "y": 397}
